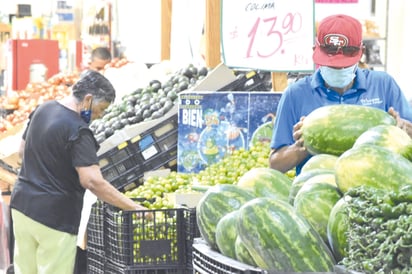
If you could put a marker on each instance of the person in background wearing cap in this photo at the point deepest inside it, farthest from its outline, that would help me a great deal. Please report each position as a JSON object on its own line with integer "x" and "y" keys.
{"x": 59, "y": 163}
{"x": 337, "y": 80}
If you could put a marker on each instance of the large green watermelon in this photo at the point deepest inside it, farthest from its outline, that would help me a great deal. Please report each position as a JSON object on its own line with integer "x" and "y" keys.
{"x": 388, "y": 136}
{"x": 216, "y": 202}
{"x": 279, "y": 239}
{"x": 320, "y": 161}
{"x": 333, "y": 129}
{"x": 226, "y": 234}
{"x": 315, "y": 201}
{"x": 266, "y": 182}
{"x": 242, "y": 254}
{"x": 317, "y": 175}
{"x": 337, "y": 229}
{"x": 373, "y": 166}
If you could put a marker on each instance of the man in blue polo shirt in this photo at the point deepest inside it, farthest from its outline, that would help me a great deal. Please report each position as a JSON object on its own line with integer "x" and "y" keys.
{"x": 338, "y": 80}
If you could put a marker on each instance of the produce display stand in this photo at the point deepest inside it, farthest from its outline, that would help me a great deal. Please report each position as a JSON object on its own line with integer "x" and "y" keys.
{"x": 206, "y": 261}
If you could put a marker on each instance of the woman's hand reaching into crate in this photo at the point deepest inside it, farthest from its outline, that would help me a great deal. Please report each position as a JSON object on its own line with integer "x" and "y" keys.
{"x": 147, "y": 213}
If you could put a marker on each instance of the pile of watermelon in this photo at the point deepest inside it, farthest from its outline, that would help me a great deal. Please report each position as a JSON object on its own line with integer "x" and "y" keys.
{"x": 272, "y": 221}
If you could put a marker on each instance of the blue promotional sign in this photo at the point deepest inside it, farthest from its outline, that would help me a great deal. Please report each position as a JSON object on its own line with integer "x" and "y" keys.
{"x": 211, "y": 125}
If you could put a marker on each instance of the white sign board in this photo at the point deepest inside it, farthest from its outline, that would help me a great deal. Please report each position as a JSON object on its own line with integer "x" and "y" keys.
{"x": 276, "y": 35}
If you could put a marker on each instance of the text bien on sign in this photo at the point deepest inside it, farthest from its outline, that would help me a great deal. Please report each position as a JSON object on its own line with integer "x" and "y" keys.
{"x": 275, "y": 35}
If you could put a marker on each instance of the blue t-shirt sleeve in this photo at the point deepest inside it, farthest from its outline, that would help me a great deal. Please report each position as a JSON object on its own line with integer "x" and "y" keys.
{"x": 285, "y": 120}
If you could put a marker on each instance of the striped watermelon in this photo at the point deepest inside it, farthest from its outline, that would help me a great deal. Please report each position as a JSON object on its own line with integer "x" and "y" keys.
{"x": 388, "y": 136}
{"x": 215, "y": 203}
{"x": 320, "y": 161}
{"x": 280, "y": 239}
{"x": 298, "y": 181}
{"x": 315, "y": 201}
{"x": 337, "y": 229}
{"x": 333, "y": 129}
{"x": 374, "y": 166}
{"x": 242, "y": 254}
{"x": 266, "y": 182}
{"x": 226, "y": 234}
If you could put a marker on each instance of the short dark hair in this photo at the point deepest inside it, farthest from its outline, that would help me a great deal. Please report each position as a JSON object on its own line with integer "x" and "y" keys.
{"x": 101, "y": 53}
{"x": 96, "y": 84}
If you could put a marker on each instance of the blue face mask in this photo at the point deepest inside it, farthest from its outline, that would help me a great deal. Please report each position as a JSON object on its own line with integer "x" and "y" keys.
{"x": 86, "y": 115}
{"x": 338, "y": 78}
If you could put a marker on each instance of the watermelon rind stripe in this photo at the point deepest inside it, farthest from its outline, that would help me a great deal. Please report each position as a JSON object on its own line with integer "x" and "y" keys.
{"x": 217, "y": 201}
{"x": 283, "y": 240}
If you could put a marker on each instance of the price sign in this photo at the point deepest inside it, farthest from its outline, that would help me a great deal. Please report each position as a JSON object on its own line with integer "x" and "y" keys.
{"x": 276, "y": 35}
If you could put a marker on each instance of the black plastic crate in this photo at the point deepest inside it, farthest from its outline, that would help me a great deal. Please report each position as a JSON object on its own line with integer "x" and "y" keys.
{"x": 133, "y": 240}
{"x": 151, "y": 149}
{"x": 250, "y": 81}
{"x": 96, "y": 261}
{"x": 166, "y": 159}
{"x": 116, "y": 161}
{"x": 192, "y": 229}
{"x": 206, "y": 261}
{"x": 192, "y": 232}
{"x": 112, "y": 268}
{"x": 160, "y": 138}
{"x": 130, "y": 179}
{"x": 95, "y": 224}
{"x": 134, "y": 177}
{"x": 117, "y": 171}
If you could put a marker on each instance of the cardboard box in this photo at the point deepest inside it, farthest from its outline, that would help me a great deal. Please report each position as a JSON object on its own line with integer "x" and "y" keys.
{"x": 211, "y": 125}
{"x": 189, "y": 200}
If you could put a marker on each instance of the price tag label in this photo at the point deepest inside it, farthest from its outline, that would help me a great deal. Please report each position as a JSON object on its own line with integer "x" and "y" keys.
{"x": 275, "y": 35}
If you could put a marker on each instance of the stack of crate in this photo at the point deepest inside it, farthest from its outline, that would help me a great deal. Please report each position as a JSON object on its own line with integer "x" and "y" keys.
{"x": 138, "y": 149}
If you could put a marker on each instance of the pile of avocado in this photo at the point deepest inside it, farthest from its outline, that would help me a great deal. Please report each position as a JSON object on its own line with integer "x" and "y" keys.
{"x": 148, "y": 103}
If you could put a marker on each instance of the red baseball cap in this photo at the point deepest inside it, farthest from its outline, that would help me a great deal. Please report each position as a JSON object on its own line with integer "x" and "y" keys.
{"x": 336, "y": 33}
